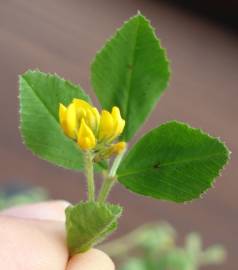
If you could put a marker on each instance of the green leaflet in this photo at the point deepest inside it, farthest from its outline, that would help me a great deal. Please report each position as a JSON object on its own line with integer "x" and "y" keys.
{"x": 88, "y": 223}
{"x": 131, "y": 72}
{"x": 40, "y": 95}
{"x": 173, "y": 162}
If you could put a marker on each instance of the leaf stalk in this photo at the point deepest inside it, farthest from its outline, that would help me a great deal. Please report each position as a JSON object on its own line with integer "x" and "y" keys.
{"x": 89, "y": 173}
{"x": 110, "y": 179}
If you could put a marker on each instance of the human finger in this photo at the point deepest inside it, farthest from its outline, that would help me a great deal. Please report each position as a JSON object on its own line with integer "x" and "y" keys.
{"x": 93, "y": 259}
{"x": 50, "y": 210}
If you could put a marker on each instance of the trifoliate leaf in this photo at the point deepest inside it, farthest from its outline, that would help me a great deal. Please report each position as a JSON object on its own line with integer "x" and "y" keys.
{"x": 131, "y": 72}
{"x": 88, "y": 223}
{"x": 173, "y": 162}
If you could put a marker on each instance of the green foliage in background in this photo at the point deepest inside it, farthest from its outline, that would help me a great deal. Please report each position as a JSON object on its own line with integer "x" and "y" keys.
{"x": 153, "y": 247}
{"x": 171, "y": 162}
{"x": 28, "y": 195}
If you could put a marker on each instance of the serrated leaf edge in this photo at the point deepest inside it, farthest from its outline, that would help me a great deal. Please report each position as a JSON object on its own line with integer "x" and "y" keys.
{"x": 114, "y": 36}
{"x": 22, "y": 77}
{"x": 97, "y": 236}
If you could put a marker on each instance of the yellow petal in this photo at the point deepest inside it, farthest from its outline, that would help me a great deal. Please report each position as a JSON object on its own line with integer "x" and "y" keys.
{"x": 90, "y": 120}
{"x": 62, "y": 115}
{"x": 89, "y": 113}
{"x": 71, "y": 121}
{"x": 80, "y": 103}
{"x": 119, "y": 123}
{"x": 118, "y": 148}
{"x": 86, "y": 138}
{"x": 81, "y": 113}
{"x": 116, "y": 113}
{"x": 97, "y": 117}
{"x": 106, "y": 125}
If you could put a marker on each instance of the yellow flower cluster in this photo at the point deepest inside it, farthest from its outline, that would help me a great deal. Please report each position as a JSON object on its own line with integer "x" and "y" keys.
{"x": 83, "y": 123}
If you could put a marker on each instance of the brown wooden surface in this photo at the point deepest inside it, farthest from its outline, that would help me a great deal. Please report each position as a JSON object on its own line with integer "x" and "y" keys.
{"x": 63, "y": 36}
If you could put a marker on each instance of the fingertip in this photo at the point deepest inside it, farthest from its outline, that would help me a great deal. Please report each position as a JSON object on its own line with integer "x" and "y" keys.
{"x": 50, "y": 210}
{"x": 93, "y": 259}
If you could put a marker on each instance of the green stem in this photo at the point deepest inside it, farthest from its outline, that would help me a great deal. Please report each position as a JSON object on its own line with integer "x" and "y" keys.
{"x": 90, "y": 176}
{"x": 110, "y": 180}
{"x": 107, "y": 185}
{"x": 116, "y": 164}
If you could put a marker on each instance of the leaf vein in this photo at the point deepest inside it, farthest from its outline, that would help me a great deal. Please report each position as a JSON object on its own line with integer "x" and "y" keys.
{"x": 171, "y": 163}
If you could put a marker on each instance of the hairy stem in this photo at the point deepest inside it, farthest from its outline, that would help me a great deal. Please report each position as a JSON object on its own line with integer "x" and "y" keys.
{"x": 107, "y": 185}
{"x": 116, "y": 164}
{"x": 89, "y": 175}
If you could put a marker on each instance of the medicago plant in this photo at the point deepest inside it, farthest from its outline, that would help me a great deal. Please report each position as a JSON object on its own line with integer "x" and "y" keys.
{"x": 60, "y": 124}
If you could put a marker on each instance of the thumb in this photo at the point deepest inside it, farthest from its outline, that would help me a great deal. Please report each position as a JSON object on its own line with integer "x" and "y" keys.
{"x": 38, "y": 230}
{"x": 93, "y": 259}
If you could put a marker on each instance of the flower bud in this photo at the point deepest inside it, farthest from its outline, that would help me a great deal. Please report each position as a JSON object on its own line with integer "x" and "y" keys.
{"x": 86, "y": 138}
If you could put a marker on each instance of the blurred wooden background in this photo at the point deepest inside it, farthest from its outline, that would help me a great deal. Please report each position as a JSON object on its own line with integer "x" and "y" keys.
{"x": 63, "y": 36}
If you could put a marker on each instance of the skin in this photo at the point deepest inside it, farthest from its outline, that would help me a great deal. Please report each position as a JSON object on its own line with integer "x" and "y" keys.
{"x": 33, "y": 237}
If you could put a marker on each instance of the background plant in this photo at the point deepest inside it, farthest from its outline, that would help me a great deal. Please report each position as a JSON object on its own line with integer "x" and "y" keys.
{"x": 15, "y": 194}
{"x": 171, "y": 162}
{"x": 153, "y": 247}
